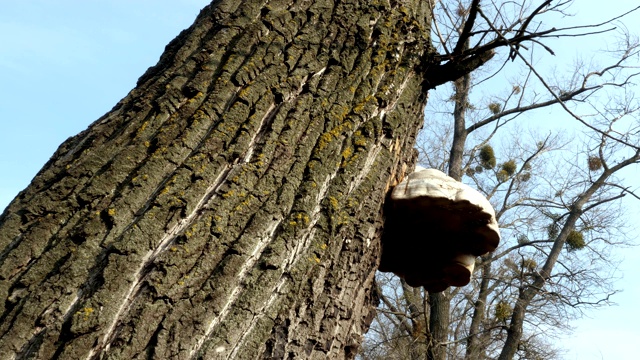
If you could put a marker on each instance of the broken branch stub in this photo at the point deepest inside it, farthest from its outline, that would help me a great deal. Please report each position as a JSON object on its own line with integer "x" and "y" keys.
{"x": 435, "y": 227}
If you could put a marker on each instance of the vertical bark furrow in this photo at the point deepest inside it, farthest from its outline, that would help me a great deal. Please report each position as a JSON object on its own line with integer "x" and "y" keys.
{"x": 231, "y": 190}
{"x": 307, "y": 332}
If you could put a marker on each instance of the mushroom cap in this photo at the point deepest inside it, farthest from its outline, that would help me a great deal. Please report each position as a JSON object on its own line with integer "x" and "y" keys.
{"x": 435, "y": 227}
{"x": 456, "y": 207}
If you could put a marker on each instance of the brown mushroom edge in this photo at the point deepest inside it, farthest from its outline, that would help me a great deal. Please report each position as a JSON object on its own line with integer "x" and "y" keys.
{"x": 432, "y": 236}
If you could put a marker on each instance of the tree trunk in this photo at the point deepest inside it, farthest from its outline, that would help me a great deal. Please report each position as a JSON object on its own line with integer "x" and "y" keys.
{"x": 230, "y": 205}
{"x": 461, "y": 105}
{"x": 417, "y": 334}
{"x": 475, "y": 347}
{"x": 440, "y": 302}
{"x": 439, "y": 324}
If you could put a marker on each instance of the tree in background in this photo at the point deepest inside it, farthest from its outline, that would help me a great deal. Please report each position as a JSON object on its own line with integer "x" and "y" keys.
{"x": 558, "y": 214}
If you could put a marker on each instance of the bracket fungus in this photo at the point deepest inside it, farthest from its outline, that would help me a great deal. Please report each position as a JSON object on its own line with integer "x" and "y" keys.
{"x": 434, "y": 229}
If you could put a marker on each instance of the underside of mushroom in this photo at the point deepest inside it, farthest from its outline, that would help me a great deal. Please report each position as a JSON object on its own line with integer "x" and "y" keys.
{"x": 435, "y": 227}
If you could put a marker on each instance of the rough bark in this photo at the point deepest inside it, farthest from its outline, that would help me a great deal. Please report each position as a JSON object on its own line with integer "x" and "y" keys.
{"x": 229, "y": 206}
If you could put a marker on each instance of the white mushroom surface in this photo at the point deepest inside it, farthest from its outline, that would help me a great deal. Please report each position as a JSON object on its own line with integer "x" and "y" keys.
{"x": 435, "y": 227}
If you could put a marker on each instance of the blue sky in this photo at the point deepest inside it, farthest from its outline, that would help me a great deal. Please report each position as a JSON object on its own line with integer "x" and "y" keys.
{"x": 65, "y": 63}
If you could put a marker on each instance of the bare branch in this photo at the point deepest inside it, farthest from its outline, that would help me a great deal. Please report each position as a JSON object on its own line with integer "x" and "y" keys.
{"x": 558, "y": 98}
{"x": 465, "y": 34}
{"x": 524, "y": 26}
